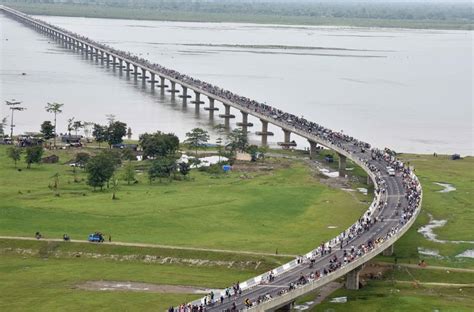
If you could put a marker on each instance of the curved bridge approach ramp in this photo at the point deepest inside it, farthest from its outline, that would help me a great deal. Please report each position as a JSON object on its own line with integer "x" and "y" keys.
{"x": 396, "y": 204}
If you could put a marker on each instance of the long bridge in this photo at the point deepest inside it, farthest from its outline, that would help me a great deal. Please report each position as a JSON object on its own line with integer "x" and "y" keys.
{"x": 396, "y": 204}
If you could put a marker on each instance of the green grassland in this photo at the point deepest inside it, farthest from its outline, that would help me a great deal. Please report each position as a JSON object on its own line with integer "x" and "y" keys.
{"x": 457, "y": 207}
{"x": 262, "y": 211}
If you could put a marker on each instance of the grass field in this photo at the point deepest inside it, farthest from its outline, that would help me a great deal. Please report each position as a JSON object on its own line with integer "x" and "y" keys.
{"x": 262, "y": 211}
{"x": 457, "y": 207}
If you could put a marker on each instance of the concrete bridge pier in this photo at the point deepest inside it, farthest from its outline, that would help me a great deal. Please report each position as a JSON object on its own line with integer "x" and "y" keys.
{"x": 352, "y": 278}
{"x": 313, "y": 149}
{"x": 388, "y": 252}
{"x": 264, "y": 133}
{"x": 211, "y": 107}
{"x": 342, "y": 165}
{"x": 127, "y": 68}
{"x": 135, "y": 72}
{"x": 184, "y": 95}
{"x": 114, "y": 59}
{"x": 121, "y": 65}
{"x": 163, "y": 84}
{"x": 227, "y": 115}
{"x": 152, "y": 80}
{"x": 173, "y": 90}
{"x": 197, "y": 99}
{"x": 286, "y": 308}
{"x": 143, "y": 76}
{"x": 102, "y": 57}
{"x": 245, "y": 124}
{"x": 287, "y": 136}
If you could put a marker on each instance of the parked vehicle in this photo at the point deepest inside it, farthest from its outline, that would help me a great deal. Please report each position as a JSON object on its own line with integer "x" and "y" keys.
{"x": 96, "y": 238}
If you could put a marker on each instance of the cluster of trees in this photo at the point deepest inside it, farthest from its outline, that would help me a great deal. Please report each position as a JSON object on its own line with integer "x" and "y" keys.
{"x": 384, "y": 9}
{"x": 33, "y": 154}
{"x": 113, "y": 133}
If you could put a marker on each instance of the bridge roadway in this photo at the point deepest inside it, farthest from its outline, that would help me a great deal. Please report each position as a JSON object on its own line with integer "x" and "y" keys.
{"x": 291, "y": 272}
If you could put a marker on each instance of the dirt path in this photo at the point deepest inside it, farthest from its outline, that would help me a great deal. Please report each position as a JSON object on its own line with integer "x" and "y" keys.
{"x": 428, "y": 267}
{"x": 240, "y": 252}
{"x": 435, "y": 284}
{"x": 142, "y": 287}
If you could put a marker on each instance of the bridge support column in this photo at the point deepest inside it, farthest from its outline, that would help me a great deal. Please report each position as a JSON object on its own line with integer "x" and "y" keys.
{"x": 120, "y": 65}
{"x": 101, "y": 56}
{"x": 127, "y": 68}
{"x": 135, "y": 72}
{"x": 211, "y": 107}
{"x": 245, "y": 124}
{"x": 152, "y": 80}
{"x": 162, "y": 83}
{"x": 264, "y": 133}
{"x": 173, "y": 90}
{"x": 342, "y": 165}
{"x": 352, "y": 278}
{"x": 114, "y": 59}
{"x": 287, "y": 136}
{"x": 197, "y": 100}
{"x": 185, "y": 95}
{"x": 313, "y": 149}
{"x": 227, "y": 115}
{"x": 143, "y": 75}
{"x": 388, "y": 252}
{"x": 286, "y": 308}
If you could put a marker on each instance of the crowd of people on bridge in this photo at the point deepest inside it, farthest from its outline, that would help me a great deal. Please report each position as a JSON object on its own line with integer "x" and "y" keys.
{"x": 373, "y": 159}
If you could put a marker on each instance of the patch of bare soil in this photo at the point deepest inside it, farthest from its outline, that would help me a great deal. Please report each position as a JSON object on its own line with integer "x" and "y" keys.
{"x": 248, "y": 166}
{"x": 374, "y": 271}
{"x": 140, "y": 287}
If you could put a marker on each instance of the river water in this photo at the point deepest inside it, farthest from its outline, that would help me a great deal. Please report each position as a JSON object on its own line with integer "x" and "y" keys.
{"x": 410, "y": 90}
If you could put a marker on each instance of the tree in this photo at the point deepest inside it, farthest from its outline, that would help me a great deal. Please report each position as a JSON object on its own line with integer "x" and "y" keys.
{"x": 129, "y": 173}
{"x": 115, "y": 132}
{"x": 14, "y": 153}
{"x": 87, "y": 129}
{"x": 184, "y": 168}
{"x": 100, "y": 169}
{"x": 76, "y": 125}
{"x": 54, "y": 108}
{"x": 47, "y": 129}
{"x": 99, "y": 133}
{"x": 263, "y": 150}
{"x": 3, "y": 124}
{"x": 161, "y": 168}
{"x": 253, "y": 151}
{"x": 115, "y": 187}
{"x": 238, "y": 140}
{"x": 55, "y": 185}
{"x": 70, "y": 122}
{"x": 197, "y": 138}
{"x": 33, "y": 155}
{"x": 158, "y": 144}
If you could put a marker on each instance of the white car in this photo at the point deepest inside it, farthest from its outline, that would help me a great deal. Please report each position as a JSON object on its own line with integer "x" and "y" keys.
{"x": 391, "y": 172}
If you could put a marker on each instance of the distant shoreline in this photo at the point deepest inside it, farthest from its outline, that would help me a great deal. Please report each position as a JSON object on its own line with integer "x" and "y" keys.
{"x": 91, "y": 11}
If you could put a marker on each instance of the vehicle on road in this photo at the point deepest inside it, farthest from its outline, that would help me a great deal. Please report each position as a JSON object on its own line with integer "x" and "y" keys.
{"x": 96, "y": 238}
{"x": 391, "y": 172}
